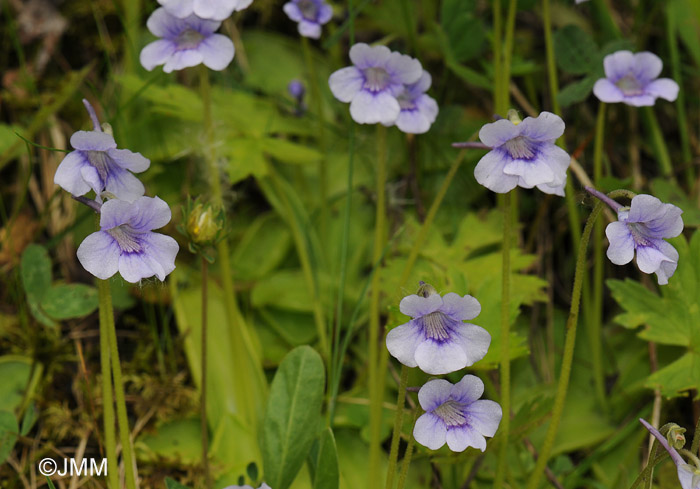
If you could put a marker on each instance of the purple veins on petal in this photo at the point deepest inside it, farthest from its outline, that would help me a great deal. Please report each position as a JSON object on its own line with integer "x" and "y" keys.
{"x": 455, "y": 415}
{"x": 633, "y": 80}
{"x": 185, "y": 42}
{"x": 641, "y": 229}
{"x": 436, "y": 339}
{"x": 310, "y": 16}
{"x": 126, "y": 243}
{"x": 523, "y": 153}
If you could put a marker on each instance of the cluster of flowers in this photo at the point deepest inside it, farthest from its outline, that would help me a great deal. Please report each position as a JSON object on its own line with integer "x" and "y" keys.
{"x": 125, "y": 241}
{"x": 438, "y": 341}
{"x": 385, "y": 87}
{"x": 187, "y": 29}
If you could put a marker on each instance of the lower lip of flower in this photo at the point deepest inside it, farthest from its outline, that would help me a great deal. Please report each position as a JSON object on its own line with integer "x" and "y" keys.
{"x": 189, "y": 39}
{"x": 308, "y": 9}
{"x": 126, "y": 238}
{"x": 521, "y": 148}
{"x": 629, "y": 85}
{"x": 376, "y": 78}
{"x": 451, "y": 413}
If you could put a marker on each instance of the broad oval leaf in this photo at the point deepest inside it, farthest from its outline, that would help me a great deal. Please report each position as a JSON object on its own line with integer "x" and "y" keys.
{"x": 66, "y": 301}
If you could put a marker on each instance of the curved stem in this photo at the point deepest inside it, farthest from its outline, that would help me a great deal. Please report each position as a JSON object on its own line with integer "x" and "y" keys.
{"x": 107, "y": 399}
{"x": 122, "y": 418}
{"x": 398, "y": 425}
{"x": 568, "y": 357}
{"x": 376, "y": 378}
{"x": 504, "y": 428}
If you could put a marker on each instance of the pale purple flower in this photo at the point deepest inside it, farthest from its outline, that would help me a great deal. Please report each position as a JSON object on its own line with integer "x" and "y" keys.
{"x": 185, "y": 42}
{"x": 373, "y": 84}
{"x": 296, "y": 89}
{"x": 263, "y": 486}
{"x": 126, "y": 244}
{"x": 204, "y": 9}
{"x": 454, "y": 414}
{"x": 688, "y": 475}
{"x": 523, "y": 154}
{"x": 437, "y": 340}
{"x": 97, "y": 164}
{"x": 642, "y": 227}
{"x": 633, "y": 79}
{"x": 418, "y": 110}
{"x": 310, "y": 15}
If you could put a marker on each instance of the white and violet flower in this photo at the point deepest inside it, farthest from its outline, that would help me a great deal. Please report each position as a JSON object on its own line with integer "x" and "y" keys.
{"x": 204, "y": 9}
{"x": 437, "y": 340}
{"x": 641, "y": 229}
{"x": 97, "y": 164}
{"x": 455, "y": 415}
{"x": 263, "y": 486}
{"x": 126, "y": 244}
{"x": 310, "y": 15}
{"x": 418, "y": 109}
{"x": 688, "y": 475}
{"x": 185, "y": 42}
{"x": 633, "y": 79}
{"x": 523, "y": 153}
{"x": 372, "y": 86}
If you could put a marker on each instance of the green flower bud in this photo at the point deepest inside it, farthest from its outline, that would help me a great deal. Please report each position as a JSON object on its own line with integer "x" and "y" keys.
{"x": 203, "y": 224}
{"x": 425, "y": 290}
{"x": 674, "y": 435}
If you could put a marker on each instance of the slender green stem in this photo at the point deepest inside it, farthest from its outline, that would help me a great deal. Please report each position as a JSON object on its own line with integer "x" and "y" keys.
{"x": 652, "y": 456}
{"x": 504, "y": 428}
{"x": 569, "y": 344}
{"x": 497, "y": 76}
{"x": 243, "y": 353}
{"x": 398, "y": 425}
{"x": 376, "y": 378}
{"x": 317, "y": 103}
{"x": 429, "y": 218}
{"x": 409, "y": 453}
{"x": 658, "y": 142}
{"x": 204, "y": 426}
{"x": 646, "y": 473}
{"x": 406, "y": 9}
{"x": 696, "y": 438}
{"x": 595, "y": 318}
{"x": 107, "y": 399}
{"x": 122, "y": 418}
{"x": 551, "y": 64}
{"x": 507, "y": 56}
{"x": 336, "y": 363}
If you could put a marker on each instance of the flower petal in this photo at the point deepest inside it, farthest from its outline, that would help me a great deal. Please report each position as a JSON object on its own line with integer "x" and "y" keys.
{"x": 645, "y": 208}
{"x": 544, "y": 127}
{"x": 489, "y": 172}
{"x": 494, "y": 134}
{"x": 156, "y": 53}
{"x": 369, "y": 108}
{"x": 129, "y": 160}
{"x": 607, "y": 91}
{"x": 460, "y": 437}
{"x": 467, "y": 390}
{"x": 402, "y": 342}
{"x": 412, "y": 122}
{"x": 325, "y": 13}
{"x": 346, "y": 83}
{"x": 531, "y": 172}
{"x": 647, "y": 66}
{"x": 618, "y": 65}
{"x": 151, "y": 213}
{"x": 68, "y": 174}
{"x": 214, "y": 10}
{"x": 474, "y": 341}
{"x": 485, "y": 416}
{"x": 649, "y": 258}
{"x": 430, "y": 431}
{"x": 116, "y": 212}
{"x": 162, "y": 24}
{"x": 309, "y": 29}
{"x": 135, "y": 266}
{"x": 644, "y": 100}
{"x": 416, "y": 306}
{"x": 460, "y": 308}
{"x": 292, "y": 11}
{"x": 664, "y": 88}
{"x": 437, "y": 358}
{"x": 92, "y": 141}
{"x": 621, "y": 249}
{"x": 365, "y": 56}
{"x": 123, "y": 184}
{"x": 403, "y": 68}
{"x": 162, "y": 250}
{"x": 217, "y": 51}
{"x": 434, "y": 393}
{"x": 185, "y": 58}
{"x": 99, "y": 255}
{"x": 177, "y": 8}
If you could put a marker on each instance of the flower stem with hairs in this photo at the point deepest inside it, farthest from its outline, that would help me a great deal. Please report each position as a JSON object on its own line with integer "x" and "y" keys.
{"x": 204, "y": 426}
{"x": 107, "y": 396}
{"x": 398, "y": 425}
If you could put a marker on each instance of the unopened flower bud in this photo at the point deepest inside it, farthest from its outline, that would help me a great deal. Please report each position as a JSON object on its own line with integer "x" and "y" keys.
{"x": 107, "y": 128}
{"x": 202, "y": 224}
{"x": 425, "y": 290}
{"x": 513, "y": 117}
{"x": 674, "y": 435}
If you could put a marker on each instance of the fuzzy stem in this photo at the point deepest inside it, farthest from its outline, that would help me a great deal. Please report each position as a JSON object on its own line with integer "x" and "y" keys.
{"x": 507, "y": 55}
{"x": 497, "y": 27}
{"x": 569, "y": 344}
{"x": 595, "y": 319}
{"x": 551, "y": 64}
{"x": 504, "y": 428}
{"x": 696, "y": 438}
{"x": 398, "y": 425}
{"x": 376, "y": 384}
{"x": 647, "y": 472}
{"x": 122, "y": 418}
{"x": 107, "y": 399}
{"x": 204, "y": 426}
{"x": 409, "y": 453}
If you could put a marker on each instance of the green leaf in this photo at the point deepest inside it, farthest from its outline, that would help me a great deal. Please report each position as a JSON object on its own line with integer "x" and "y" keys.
{"x": 323, "y": 462}
{"x": 576, "y": 92}
{"x": 179, "y": 440}
{"x": 575, "y": 51}
{"x": 262, "y": 247}
{"x": 172, "y": 484}
{"x": 30, "y": 417}
{"x": 66, "y": 301}
{"x": 669, "y": 191}
{"x": 8, "y": 434}
{"x": 293, "y": 412}
{"x": 35, "y": 269}
{"x": 285, "y": 289}
{"x": 456, "y": 19}
{"x": 14, "y": 372}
